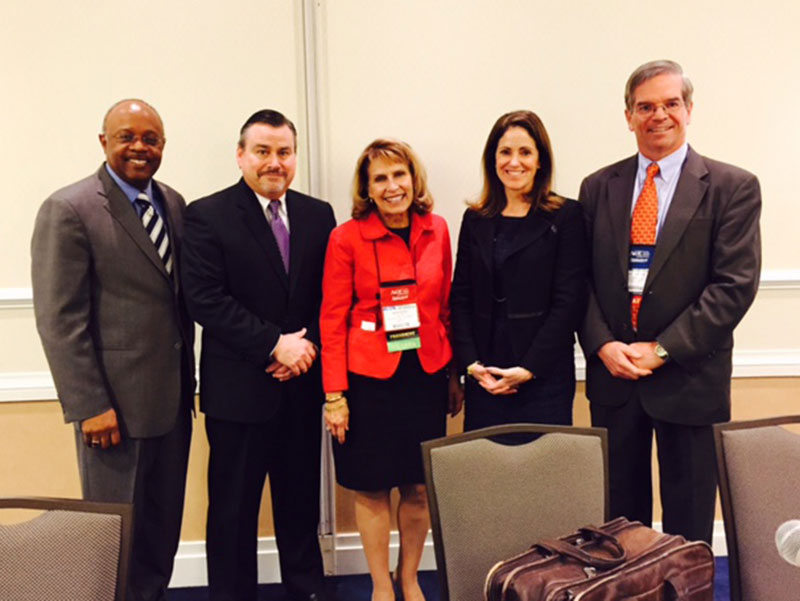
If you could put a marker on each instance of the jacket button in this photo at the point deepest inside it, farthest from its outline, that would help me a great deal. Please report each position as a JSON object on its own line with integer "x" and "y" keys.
{"x": 178, "y": 345}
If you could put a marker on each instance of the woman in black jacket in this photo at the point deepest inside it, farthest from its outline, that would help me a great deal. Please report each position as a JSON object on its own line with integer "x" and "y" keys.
{"x": 519, "y": 290}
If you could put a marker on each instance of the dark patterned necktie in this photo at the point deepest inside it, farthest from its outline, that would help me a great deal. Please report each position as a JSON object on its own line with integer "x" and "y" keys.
{"x": 280, "y": 232}
{"x": 154, "y": 226}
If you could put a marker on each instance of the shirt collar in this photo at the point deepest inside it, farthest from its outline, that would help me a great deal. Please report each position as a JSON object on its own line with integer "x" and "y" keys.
{"x": 669, "y": 167}
{"x": 131, "y": 192}
{"x": 264, "y": 202}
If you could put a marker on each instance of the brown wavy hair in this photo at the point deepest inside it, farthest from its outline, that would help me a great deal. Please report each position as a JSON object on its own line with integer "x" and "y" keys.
{"x": 493, "y": 196}
{"x": 392, "y": 150}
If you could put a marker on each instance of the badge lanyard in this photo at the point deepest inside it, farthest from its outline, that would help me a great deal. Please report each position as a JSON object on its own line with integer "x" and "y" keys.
{"x": 398, "y": 300}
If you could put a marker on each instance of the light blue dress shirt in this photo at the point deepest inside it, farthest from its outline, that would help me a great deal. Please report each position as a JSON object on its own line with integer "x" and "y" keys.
{"x": 666, "y": 181}
{"x": 132, "y": 192}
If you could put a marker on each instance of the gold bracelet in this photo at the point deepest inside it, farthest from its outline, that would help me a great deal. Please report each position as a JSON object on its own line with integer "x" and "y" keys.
{"x": 471, "y": 366}
{"x": 333, "y": 399}
{"x": 335, "y": 406}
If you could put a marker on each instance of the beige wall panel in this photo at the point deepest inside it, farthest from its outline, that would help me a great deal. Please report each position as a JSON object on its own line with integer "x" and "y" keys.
{"x": 37, "y": 454}
{"x": 439, "y": 74}
{"x": 20, "y": 350}
{"x": 205, "y": 67}
{"x": 37, "y": 451}
{"x": 772, "y": 322}
{"x": 435, "y": 74}
{"x": 37, "y": 457}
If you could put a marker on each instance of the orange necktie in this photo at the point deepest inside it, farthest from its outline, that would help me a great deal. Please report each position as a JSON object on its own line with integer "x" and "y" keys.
{"x": 643, "y": 226}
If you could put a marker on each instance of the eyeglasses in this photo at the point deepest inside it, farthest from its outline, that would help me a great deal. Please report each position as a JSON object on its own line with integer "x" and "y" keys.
{"x": 647, "y": 109}
{"x": 147, "y": 139}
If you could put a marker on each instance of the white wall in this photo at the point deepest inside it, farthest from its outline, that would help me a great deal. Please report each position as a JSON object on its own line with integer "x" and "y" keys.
{"x": 206, "y": 66}
{"x": 436, "y": 74}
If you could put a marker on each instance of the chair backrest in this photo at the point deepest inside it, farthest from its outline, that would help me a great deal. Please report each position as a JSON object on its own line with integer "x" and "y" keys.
{"x": 490, "y": 500}
{"x": 73, "y": 549}
{"x": 759, "y": 479}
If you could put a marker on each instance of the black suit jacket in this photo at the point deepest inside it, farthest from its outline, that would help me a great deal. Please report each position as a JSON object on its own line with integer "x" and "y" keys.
{"x": 703, "y": 278}
{"x": 238, "y": 291}
{"x": 545, "y": 284}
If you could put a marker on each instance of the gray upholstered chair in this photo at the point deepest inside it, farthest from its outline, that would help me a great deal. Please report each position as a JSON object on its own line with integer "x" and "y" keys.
{"x": 490, "y": 500}
{"x": 71, "y": 549}
{"x": 759, "y": 479}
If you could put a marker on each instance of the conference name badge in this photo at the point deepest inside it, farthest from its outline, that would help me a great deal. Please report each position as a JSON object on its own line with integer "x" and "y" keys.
{"x": 400, "y": 315}
{"x": 641, "y": 256}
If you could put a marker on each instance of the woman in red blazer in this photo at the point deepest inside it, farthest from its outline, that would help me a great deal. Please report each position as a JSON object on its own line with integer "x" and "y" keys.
{"x": 385, "y": 327}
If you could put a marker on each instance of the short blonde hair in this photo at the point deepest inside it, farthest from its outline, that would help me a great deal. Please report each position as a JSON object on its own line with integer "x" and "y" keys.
{"x": 392, "y": 150}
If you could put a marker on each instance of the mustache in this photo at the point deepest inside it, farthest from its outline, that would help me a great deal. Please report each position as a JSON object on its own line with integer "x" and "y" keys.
{"x": 272, "y": 171}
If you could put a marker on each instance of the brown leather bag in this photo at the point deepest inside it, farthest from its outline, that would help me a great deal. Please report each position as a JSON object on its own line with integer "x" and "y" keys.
{"x": 619, "y": 561}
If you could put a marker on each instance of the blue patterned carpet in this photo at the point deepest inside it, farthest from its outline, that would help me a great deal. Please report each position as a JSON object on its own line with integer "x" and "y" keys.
{"x": 357, "y": 588}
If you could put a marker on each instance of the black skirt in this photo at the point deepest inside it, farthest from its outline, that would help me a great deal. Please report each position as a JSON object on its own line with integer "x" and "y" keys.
{"x": 388, "y": 421}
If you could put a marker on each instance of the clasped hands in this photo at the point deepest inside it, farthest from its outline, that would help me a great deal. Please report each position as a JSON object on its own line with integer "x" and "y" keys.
{"x": 630, "y": 361}
{"x": 496, "y": 380}
{"x": 293, "y": 355}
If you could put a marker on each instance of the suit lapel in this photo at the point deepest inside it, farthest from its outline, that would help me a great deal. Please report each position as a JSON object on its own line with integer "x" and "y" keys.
{"x": 298, "y": 236}
{"x": 483, "y": 233}
{"x": 256, "y": 223}
{"x": 123, "y": 212}
{"x": 688, "y": 194}
{"x": 620, "y": 196}
{"x": 535, "y": 226}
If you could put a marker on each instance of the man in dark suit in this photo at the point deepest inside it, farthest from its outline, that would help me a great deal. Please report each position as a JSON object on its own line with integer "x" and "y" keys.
{"x": 253, "y": 277}
{"x": 117, "y": 336}
{"x": 675, "y": 263}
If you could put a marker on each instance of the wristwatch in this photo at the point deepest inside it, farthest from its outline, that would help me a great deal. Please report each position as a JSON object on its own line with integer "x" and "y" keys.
{"x": 661, "y": 352}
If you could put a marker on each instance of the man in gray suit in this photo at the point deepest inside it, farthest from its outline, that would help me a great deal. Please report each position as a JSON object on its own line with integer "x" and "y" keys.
{"x": 675, "y": 262}
{"x": 117, "y": 337}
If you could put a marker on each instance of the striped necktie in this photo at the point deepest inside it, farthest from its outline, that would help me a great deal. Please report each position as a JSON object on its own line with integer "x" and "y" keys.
{"x": 155, "y": 228}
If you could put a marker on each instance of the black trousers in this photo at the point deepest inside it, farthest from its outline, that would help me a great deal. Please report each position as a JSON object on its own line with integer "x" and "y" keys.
{"x": 687, "y": 469}
{"x": 287, "y": 447}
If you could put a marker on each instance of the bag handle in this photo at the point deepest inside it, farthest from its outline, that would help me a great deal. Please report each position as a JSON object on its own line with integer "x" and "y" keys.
{"x": 596, "y": 561}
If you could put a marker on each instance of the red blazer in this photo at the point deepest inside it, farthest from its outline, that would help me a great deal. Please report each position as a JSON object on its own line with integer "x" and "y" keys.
{"x": 350, "y": 291}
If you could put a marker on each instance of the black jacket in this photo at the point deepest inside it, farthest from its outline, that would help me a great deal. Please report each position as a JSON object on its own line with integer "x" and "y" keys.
{"x": 544, "y": 280}
{"x": 237, "y": 288}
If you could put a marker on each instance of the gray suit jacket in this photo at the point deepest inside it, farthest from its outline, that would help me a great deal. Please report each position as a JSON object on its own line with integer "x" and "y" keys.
{"x": 703, "y": 278}
{"x": 112, "y": 322}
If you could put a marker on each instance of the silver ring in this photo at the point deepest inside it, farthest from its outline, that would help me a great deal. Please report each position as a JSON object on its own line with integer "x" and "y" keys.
{"x": 95, "y": 443}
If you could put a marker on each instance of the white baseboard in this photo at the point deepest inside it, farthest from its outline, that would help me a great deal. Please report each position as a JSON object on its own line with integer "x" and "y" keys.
{"x": 346, "y": 558}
